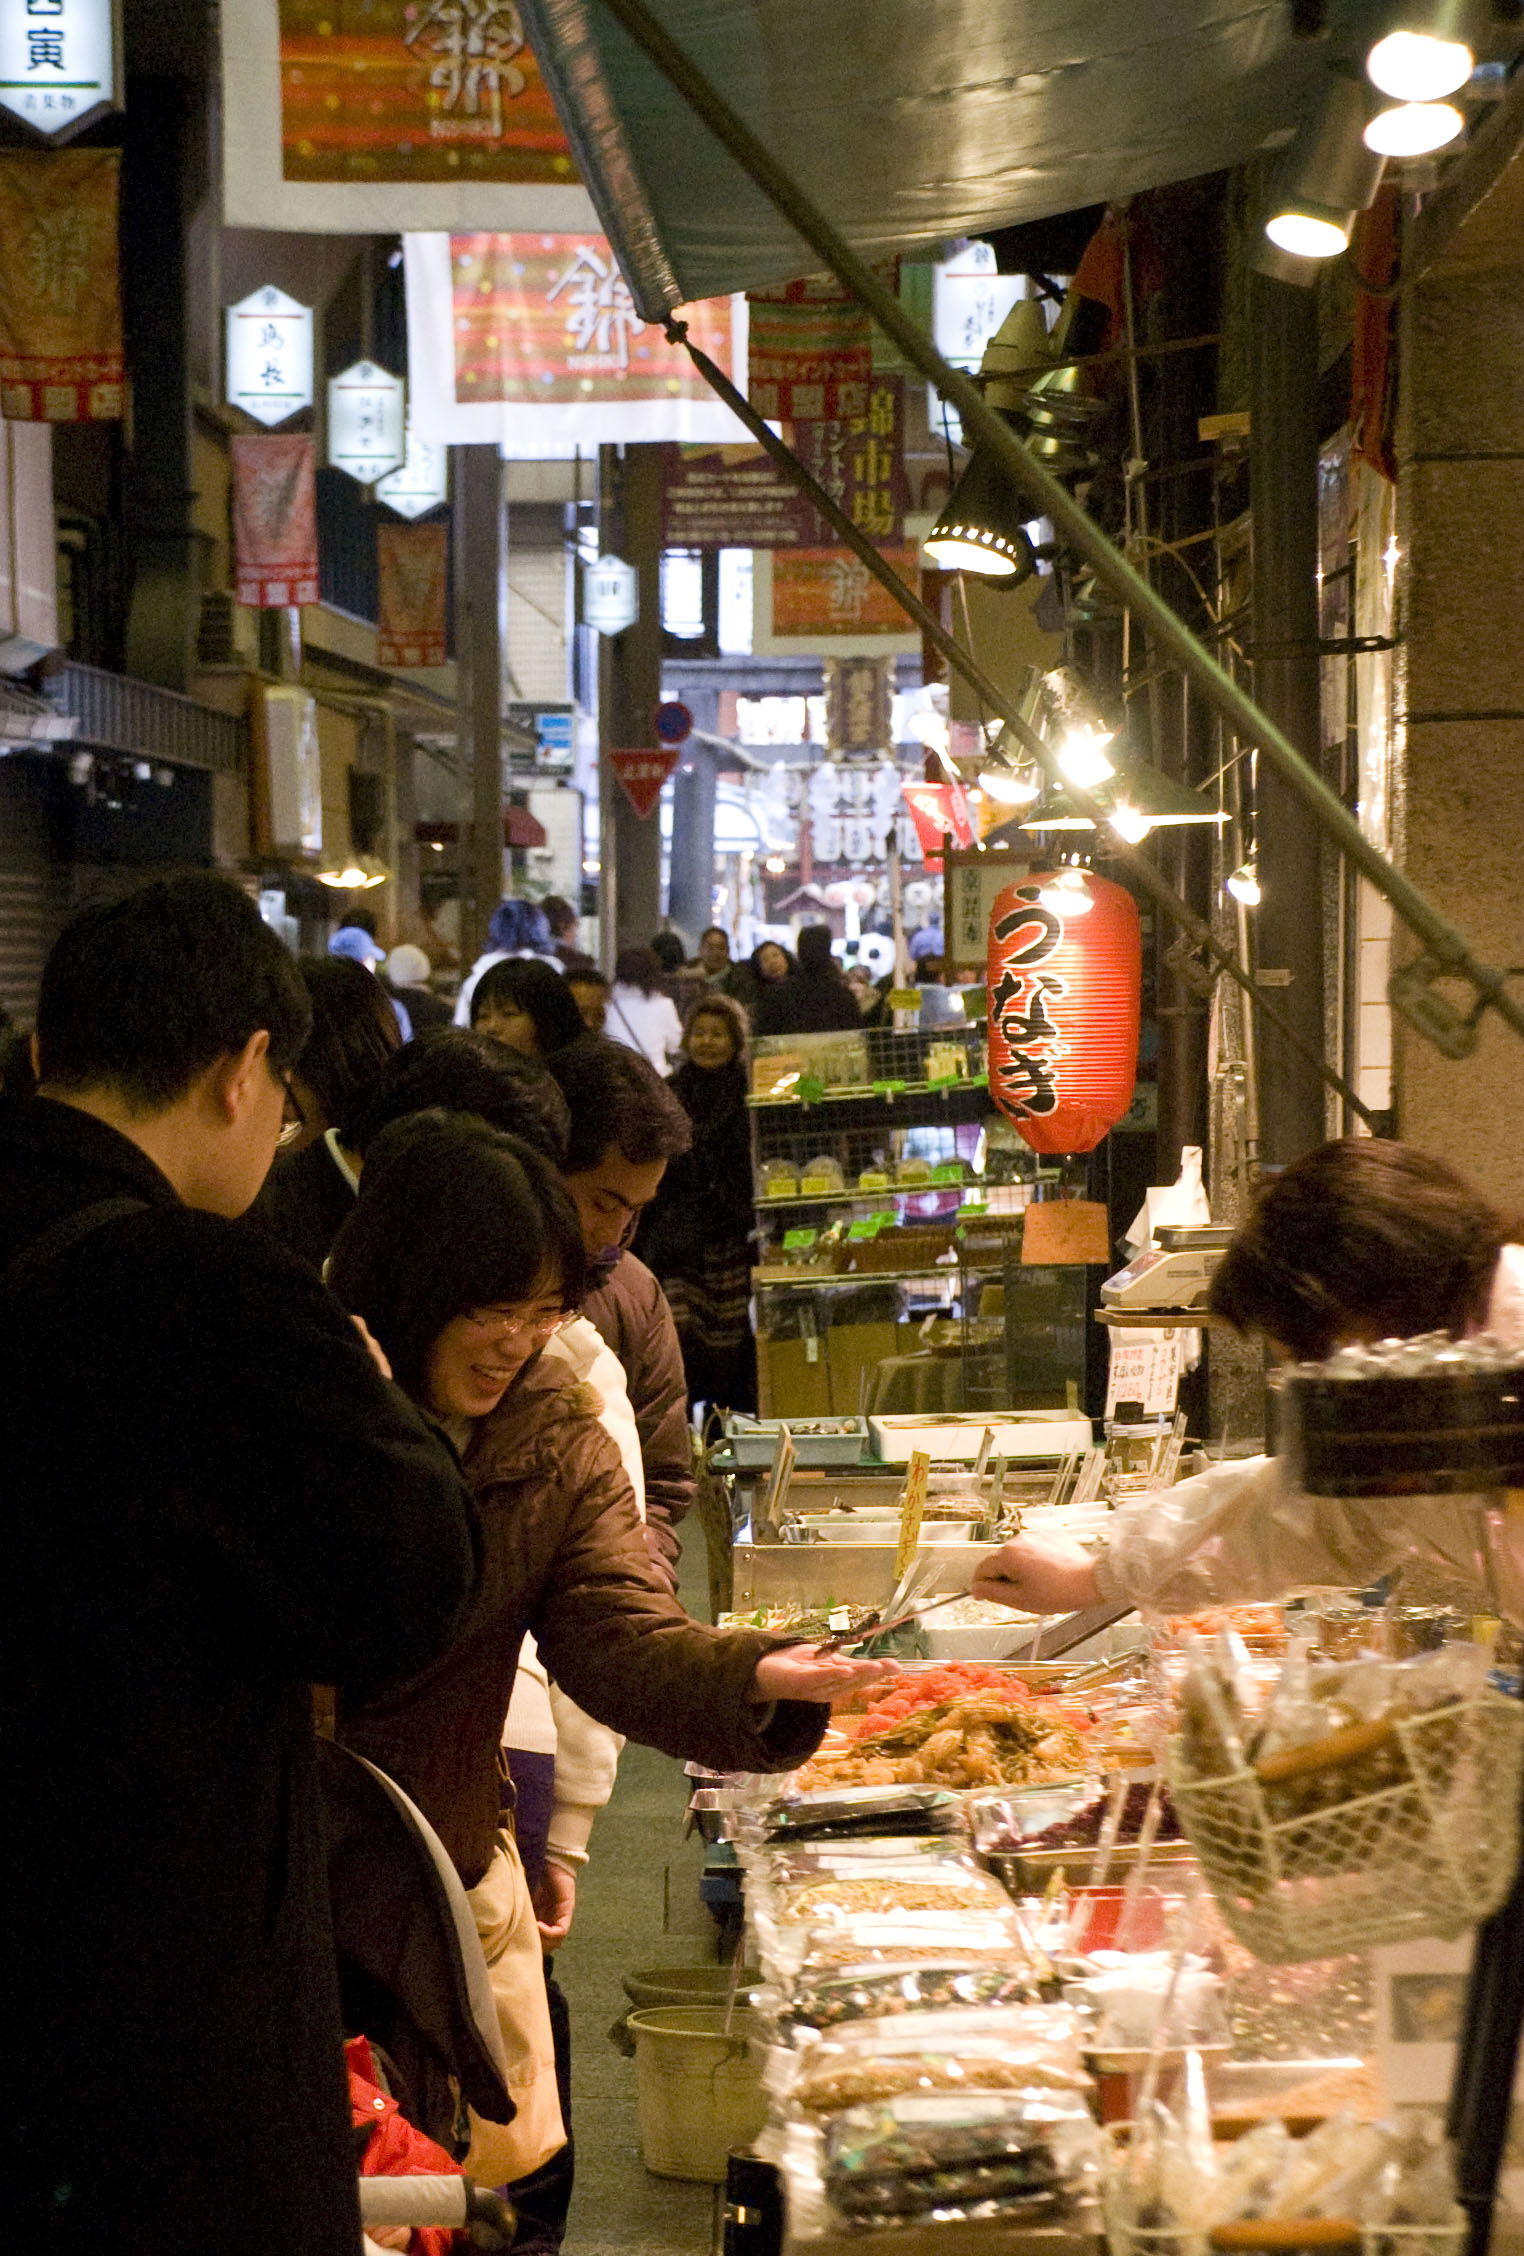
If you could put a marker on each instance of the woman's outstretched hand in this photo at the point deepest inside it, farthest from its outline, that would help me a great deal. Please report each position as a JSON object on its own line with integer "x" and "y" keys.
{"x": 804, "y": 1672}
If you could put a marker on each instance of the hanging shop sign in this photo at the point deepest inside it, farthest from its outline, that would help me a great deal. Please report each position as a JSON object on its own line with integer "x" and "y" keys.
{"x": 810, "y": 351}
{"x": 375, "y": 116}
{"x": 412, "y": 576}
{"x": 422, "y": 483}
{"x": 531, "y": 342}
{"x": 642, "y": 773}
{"x": 60, "y": 63}
{"x": 1065, "y": 988}
{"x": 735, "y": 497}
{"x": 269, "y": 351}
{"x": 60, "y": 301}
{"x": 610, "y": 595}
{"x": 939, "y": 811}
{"x": 859, "y": 704}
{"x": 275, "y": 551}
{"x": 366, "y": 422}
{"x": 827, "y": 591}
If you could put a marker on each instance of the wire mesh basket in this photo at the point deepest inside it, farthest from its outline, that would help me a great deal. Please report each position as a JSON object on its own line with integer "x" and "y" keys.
{"x": 1314, "y": 1866}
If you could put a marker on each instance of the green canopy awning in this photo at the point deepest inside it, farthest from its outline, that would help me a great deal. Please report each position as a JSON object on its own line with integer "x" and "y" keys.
{"x": 909, "y": 121}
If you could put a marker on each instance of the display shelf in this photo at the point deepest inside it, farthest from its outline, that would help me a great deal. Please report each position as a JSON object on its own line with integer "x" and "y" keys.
{"x": 867, "y": 1092}
{"x": 769, "y": 1204}
{"x": 770, "y": 1280}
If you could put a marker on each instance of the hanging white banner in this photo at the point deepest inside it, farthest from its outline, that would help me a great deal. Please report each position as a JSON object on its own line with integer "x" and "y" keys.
{"x": 531, "y": 342}
{"x": 406, "y": 114}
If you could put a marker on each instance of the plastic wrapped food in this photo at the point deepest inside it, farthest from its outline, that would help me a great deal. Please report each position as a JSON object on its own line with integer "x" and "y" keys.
{"x": 906, "y": 1936}
{"x": 839, "y": 1812}
{"x": 1126, "y": 1996}
{"x": 1032, "y": 2048}
{"x": 830, "y": 2000}
{"x": 1016, "y": 2159}
{"x": 1029, "y": 1822}
{"x": 845, "y": 1897}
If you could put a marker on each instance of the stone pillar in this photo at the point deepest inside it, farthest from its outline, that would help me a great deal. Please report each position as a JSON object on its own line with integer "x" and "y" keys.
{"x": 1460, "y": 775}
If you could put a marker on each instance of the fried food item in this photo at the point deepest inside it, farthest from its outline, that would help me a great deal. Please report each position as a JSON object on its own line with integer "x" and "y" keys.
{"x": 974, "y": 1740}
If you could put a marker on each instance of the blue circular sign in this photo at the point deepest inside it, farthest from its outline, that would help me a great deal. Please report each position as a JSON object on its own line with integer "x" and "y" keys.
{"x": 674, "y": 723}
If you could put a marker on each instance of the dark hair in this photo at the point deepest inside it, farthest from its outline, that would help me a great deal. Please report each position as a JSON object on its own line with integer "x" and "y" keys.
{"x": 1361, "y": 1236}
{"x": 715, "y": 1005}
{"x": 815, "y": 958}
{"x": 458, "y": 1071}
{"x": 452, "y": 1215}
{"x": 360, "y": 920}
{"x": 638, "y": 967}
{"x": 354, "y": 1035}
{"x": 144, "y": 994}
{"x": 558, "y": 914}
{"x": 668, "y": 949}
{"x": 719, "y": 928}
{"x": 756, "y": 960}
{"x": 16, "y": 1076}
{"x": 616, "y": 1099}
{"x": 586, "y": 975}
{"x": 537, "y": 989}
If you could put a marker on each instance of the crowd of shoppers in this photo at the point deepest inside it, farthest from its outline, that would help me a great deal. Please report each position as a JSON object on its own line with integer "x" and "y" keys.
{"x": 222, "y": 1497}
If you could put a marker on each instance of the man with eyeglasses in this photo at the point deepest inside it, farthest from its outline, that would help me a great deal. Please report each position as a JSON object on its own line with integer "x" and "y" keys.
{"x": 214, "y": 1499}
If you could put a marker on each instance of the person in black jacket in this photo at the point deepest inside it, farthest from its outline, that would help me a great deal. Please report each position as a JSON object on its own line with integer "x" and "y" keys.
{"x": 696, "y": 1234}
{"x": 813, "y": 1000}
{"x": 213, "y": 1500}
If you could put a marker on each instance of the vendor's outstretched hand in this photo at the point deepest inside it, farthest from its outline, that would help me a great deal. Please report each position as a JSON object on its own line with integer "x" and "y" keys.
{"x": 1038, "y": 1578}
{"x": 803, "y": 1672}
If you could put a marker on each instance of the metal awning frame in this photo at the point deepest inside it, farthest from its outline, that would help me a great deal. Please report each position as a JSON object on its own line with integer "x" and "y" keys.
{"x": 1444, "y": 953}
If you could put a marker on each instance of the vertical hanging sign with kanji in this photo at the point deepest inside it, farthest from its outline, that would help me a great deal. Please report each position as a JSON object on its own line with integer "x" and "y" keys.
{"x": 367, "y": 422}
{"x": 59, "y": 63}
{"x": 269, "y": 355}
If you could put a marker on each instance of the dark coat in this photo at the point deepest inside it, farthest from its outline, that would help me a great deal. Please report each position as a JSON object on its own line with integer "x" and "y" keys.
{"x": 705, "y": 1197}
{"x": 630, "y": 1309}
{"x": 211, "y": 1500}
{"x": 804, "y": 1004}
{"x": 565, "y": 1560}
{"x": 306, "y": 1201}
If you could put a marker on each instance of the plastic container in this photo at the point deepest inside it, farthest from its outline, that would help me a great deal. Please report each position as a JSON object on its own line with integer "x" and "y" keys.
{"x": 698, "y": 2094}
{"x": 689, "y": 1985}
{"x": 978, "y": 1641}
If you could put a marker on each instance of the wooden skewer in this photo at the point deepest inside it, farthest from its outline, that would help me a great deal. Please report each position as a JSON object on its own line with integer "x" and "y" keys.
{"x": 1325, "y": 1754}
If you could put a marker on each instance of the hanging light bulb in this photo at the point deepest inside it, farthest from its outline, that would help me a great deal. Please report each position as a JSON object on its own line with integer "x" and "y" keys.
{"x": 1011, "y": 787}
{"x": 1426, "y": 53}
{"x": 1082, "y": 757}
{"x": 1413, "y": 129}
{"x": 981, "y": 528}
{"x": 1130, "y": 823}
{"x": 1067, "y": 893}
{"x": 1243, "y": 884}
{"x": 358, "y": 875}
{"x": 1327, "y": 177}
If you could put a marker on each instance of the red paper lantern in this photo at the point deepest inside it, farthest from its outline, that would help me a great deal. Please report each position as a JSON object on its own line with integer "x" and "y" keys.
{"x": 1065, "y": 993}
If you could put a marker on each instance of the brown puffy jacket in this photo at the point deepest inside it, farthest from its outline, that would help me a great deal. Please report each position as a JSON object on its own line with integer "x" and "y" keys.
{"x": 631, "y": 1311}
{"x": 564, "y": 1556}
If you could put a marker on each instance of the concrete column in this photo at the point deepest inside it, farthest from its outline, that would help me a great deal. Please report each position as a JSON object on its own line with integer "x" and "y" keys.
{"x": 629, "y": 691}
{"x": 1460, "y": 779}
{"x": 480, "y": 580}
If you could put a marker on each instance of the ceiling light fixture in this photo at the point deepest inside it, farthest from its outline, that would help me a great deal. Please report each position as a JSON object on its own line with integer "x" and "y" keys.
{"x": 1414, "y": 129}
{"x": 1426, "y": 52}
{"x": 357, "y": 875}
{"x": 1243, "y": 883}
{"x": 1327, "y": 177}
{"x": 1082, "y": 757}
{"x": 1141, "y": 799}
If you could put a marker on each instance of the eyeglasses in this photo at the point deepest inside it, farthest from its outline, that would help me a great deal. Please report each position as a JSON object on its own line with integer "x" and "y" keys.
{"x": 293, "y": 1117}
{"x": 493, "y": 1323}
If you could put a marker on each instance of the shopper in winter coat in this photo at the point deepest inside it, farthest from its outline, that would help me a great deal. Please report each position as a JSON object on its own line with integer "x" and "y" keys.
{"x": 213, "y": 1499}
{"x": 641, "y": 1013}
{"x": 746, "y": 983}
{"x": 464, "y": 1255}
{"x": 1359, "y": 1240}
{"x": 815, "y": 1000}
{"x": 526, "y": 1006}
{"x": 626, "y": 1127}
{"x": 696, "y": 1234}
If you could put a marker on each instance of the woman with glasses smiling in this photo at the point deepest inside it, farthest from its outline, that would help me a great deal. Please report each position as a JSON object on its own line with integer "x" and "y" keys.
{"x": 463, "y": 1255}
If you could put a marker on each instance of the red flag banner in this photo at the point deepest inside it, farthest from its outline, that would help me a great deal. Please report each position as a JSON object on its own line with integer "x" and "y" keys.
{"x": 642, "y": 774}
{"x": 809, "y": 351}
{"x": 60, "y": 303}
{"x": 275, "y": 519}
{"x": 413, "y": 570}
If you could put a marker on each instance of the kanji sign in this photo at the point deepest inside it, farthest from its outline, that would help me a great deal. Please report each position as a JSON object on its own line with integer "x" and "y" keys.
{"x": 811, "y": 350}
{"x": 422, "y": 483}
{"x": 366, "y": 422}
{"x": 642, "y": 774}
{"x": 823, "y": 591}
{"x": 733, "y": 496}
{"x": 610, "y": 595}
{"x": 58, "y": 63}
{"x": 269, "y": 355}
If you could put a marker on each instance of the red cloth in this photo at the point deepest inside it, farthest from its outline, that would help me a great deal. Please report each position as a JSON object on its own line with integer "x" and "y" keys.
{"x": 395, "y": 2149}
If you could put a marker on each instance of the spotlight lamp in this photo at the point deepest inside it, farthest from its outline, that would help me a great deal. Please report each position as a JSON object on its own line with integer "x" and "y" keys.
{"x": 1327, "y": 177}
{"x": 982, "y": 528}
{"x": 1425, "y": 51}
{"x": 1009, "y": 786}
{"x": 1413, "y": 129}
{"x": 1140, "y": 799}
{"x": 1243, "y": 883}
{"x": 358, "y": 875}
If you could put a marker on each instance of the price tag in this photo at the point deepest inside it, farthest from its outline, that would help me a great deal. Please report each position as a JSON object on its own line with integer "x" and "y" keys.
{"x": 799, "y": 1241}
{"x": 815, "y": 1186}
{"x": 865, "y": 1226}
{"x": 912, "y": 1510}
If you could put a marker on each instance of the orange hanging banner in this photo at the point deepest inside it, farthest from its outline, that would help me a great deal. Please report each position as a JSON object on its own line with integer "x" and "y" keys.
{"x": 275, "y": 519}
{"x": 60, "y": 301}
{"x": 413, "y": 562}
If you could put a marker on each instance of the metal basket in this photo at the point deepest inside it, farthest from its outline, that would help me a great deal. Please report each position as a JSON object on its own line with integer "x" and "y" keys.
{"x": 1428, "y": 1855}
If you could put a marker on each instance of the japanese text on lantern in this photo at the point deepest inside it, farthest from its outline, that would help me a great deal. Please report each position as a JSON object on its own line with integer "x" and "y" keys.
{"x": 1027, "y": 1084}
